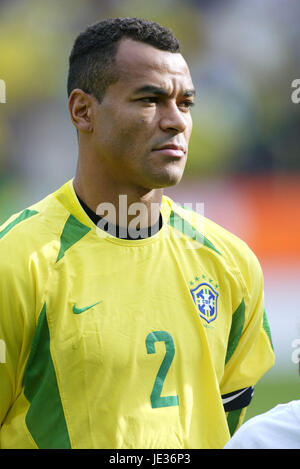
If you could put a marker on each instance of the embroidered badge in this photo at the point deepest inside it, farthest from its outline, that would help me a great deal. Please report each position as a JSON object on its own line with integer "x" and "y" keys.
{"x": 205, "y": 298}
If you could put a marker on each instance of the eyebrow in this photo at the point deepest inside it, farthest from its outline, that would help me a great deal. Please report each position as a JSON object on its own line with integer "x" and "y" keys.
{"x": 156, "y": 90}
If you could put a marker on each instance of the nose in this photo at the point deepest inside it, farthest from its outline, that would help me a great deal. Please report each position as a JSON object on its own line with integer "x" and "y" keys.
{"x": 173, "y": 120}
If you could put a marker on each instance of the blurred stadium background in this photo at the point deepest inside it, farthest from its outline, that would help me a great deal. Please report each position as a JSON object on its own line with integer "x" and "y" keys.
{"x": 244, "y": 161}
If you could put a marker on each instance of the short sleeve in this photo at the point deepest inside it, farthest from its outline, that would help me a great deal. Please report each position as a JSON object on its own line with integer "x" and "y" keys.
{"x": 249, "y": 348}
{"x": 11, "y": 332}
{"x": 16, "y": 328}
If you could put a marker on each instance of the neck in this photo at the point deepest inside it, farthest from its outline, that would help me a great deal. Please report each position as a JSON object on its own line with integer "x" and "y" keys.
{"x": 121, "y": 204}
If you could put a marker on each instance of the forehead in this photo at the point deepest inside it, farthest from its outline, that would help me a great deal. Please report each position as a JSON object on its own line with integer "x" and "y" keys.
{"x": 138, "y": 63}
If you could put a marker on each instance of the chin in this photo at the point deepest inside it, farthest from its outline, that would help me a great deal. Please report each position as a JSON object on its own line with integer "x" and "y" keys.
{"x": 163, "y": 172}
{"x": 166, "y": 180}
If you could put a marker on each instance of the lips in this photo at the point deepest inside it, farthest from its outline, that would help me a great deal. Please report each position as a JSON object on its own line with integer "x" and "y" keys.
{"x": 171, "y": 150}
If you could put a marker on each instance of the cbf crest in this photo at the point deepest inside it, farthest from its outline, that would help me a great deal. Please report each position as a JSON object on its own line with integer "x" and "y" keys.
{"x": 205, "y": 298}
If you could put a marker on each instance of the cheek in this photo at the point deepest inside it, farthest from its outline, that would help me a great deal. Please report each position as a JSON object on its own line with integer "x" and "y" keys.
{"x": 124, "y": 132}
{"x": 136, "y": 132}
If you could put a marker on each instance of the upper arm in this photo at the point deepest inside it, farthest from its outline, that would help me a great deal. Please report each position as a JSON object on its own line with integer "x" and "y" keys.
{"x": 17, "y": 322}
{"x": 11, "y": 332}
{"x": 249, "y": 349}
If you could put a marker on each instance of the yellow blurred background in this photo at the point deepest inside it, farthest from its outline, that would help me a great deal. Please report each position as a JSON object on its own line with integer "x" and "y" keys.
{"x": 244, "y": 162}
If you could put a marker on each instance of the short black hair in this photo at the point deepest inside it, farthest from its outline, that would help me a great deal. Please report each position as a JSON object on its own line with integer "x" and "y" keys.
{"x": 93, "y": 54}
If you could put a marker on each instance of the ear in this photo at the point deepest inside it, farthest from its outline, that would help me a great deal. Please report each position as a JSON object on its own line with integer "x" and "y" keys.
{"x": 81, "y": 110}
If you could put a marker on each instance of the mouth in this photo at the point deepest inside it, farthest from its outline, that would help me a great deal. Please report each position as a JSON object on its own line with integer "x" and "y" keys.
{"x": 177, "y": 151}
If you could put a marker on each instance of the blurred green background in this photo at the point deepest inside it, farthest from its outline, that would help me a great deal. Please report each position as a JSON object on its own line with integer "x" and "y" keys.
{"x": 243, "y": 161}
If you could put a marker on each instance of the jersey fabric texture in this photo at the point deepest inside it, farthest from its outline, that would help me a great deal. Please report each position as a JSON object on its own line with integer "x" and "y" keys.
{"x": 114, "y": 343}
{"x": 279, "y": 428}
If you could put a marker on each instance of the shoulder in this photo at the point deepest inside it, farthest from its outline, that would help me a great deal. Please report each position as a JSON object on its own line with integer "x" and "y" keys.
{"x": 265, "y": 430}
{"x": 30, "y": 236}
{"x": 34, "y": 225}
{"x": 228, "y": 247}
{"x": 223, "y": 238}
{"x": 284, "y": 412}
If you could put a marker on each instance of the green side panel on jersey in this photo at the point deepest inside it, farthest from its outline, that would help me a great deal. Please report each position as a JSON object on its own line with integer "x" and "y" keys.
{"x": 73, "y": 231}
{"x": 233, "y": 419}
{"x": 266, "y": 327}
{"x": 182, "y": 225}
{"x": 45, "y": 418}
{"x": 238, "y": 320}
{"x": 25, "y": 214}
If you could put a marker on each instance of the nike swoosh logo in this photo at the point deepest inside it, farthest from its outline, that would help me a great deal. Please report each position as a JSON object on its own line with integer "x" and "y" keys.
{"x": 81, "y": 310}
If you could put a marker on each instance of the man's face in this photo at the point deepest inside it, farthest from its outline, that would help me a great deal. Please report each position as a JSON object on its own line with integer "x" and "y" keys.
{"x": 143, "y": 125}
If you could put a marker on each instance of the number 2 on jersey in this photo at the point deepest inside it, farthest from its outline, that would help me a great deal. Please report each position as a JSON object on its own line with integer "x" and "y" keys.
{"x": 156, "y": 399}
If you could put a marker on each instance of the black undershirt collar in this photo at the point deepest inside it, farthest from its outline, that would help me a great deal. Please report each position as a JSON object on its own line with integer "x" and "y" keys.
{"x": 115, "y": 229}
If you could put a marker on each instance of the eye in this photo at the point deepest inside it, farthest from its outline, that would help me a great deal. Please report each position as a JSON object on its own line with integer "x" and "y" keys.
{"x": 149, "y": 99}
{"x": 186, "y": 104}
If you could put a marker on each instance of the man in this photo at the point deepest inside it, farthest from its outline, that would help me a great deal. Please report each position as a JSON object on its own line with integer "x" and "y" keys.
{"x": 127, "y": 334}
{"x": 278, "y": 428}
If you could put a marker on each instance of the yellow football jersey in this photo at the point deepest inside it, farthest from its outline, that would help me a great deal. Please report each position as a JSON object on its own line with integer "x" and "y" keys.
{"x": 115, "y": 343}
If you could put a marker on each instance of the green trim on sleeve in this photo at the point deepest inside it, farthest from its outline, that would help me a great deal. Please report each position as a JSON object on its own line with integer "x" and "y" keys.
{"x": 238, "y": 321}
{"x": 233, "y": 419}
{"x": 23, "y": 216}
{"x": 45, "y": 418}
{"x": 182, "y": 225}
{"x": 266, "y": 328}
{"x": 73, "y": 231}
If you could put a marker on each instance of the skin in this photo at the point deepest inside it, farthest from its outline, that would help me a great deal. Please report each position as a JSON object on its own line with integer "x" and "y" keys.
{"x": 119, "y": 138}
